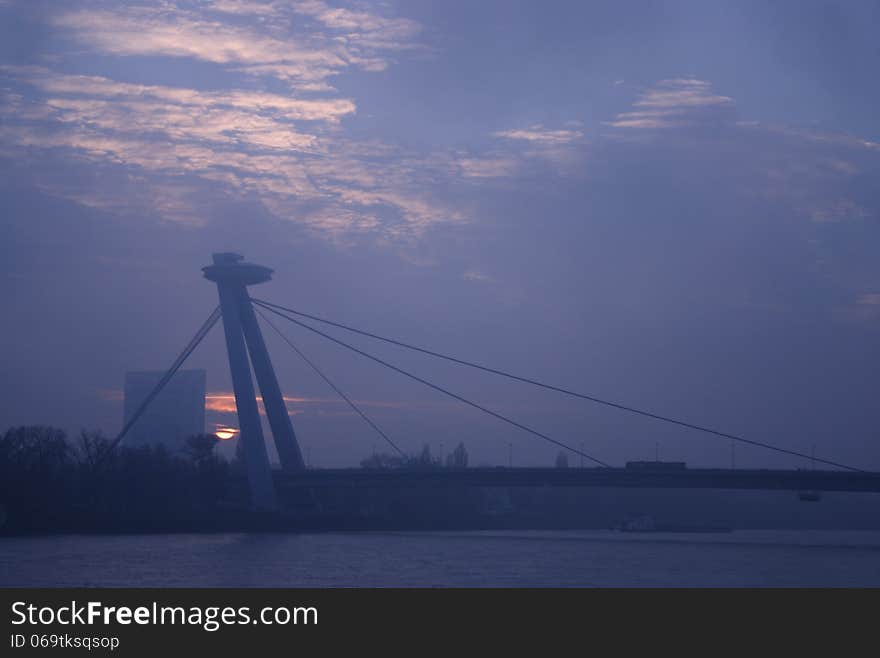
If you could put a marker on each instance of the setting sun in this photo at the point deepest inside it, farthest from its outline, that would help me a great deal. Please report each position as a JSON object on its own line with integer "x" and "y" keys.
{"x": 225, "y": 433}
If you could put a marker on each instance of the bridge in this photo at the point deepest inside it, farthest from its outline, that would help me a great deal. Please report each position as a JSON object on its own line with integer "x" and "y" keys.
{"x": 690, "y": 478}
{"x": 247, "y": 350}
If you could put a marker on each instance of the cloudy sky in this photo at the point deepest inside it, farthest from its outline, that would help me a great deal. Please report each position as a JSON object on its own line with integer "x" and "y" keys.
{"x": 671, "y": 205}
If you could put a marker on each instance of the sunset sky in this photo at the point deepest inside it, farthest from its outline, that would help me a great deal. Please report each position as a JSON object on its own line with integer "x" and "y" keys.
{"x": 670, "y": 205}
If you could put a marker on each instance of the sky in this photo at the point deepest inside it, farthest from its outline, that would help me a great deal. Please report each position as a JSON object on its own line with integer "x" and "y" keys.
{"x": 673, "y": 206}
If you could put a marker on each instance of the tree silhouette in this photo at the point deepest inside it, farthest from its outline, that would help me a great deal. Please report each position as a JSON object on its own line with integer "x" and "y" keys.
{"x": 200, "y": 448}
{"x": 50, "y": 484}
{"x": 91, "y": 447}
{"x": 383, "y": 460}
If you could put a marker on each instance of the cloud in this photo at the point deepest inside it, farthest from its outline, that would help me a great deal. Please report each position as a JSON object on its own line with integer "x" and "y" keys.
{"x": 244, "y": 7}
{"x": 274, "y": 46}
{"x": 869, "y": 299}
{"x": 367, "y": 29}
{"x": 475, "y": 275}
{"x": 539, "y": 135}
{"x": 224, "y": 402}
{"x": 488, "y": 167}
{"x": 175, "y": 151}
{"x": 289, "y": 107}
{"x": 838, "y": 210}
{"x": 524, "y": 149}
{"x": 673, "y": 103}
{"x": 681, "y": 92}
{"x": 232, "y": 117}
{"x": 287, "y": 151}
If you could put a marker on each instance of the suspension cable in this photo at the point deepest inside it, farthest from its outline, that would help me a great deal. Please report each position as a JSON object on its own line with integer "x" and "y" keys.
{"x": 434, "y": 386}
{"x": 331, "y": 384}
{"x": 193, "y": 343}
{"x": 590, "y": 398}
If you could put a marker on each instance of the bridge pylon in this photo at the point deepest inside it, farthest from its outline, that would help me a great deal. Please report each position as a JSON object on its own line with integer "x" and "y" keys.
{"x": 243, "y": 337}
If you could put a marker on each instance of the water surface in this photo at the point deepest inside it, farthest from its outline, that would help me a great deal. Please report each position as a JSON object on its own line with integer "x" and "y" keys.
{"x": 444, "y": 559}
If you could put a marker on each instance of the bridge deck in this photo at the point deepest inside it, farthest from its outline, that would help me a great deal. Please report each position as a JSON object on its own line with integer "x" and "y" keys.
{"x": 698, "y": 478}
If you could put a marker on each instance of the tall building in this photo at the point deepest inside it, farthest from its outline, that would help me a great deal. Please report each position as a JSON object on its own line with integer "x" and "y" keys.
{"x": 176, "y": 413}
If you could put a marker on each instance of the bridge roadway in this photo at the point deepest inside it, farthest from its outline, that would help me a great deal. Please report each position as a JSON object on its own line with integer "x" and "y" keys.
{"x": 684, "y": 478}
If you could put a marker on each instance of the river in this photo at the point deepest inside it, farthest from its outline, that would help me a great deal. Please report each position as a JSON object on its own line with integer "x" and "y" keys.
{"x": 743, "y": 558}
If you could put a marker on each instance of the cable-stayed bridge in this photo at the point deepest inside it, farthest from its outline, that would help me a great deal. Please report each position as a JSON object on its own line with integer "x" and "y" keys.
{"x": 247, "y": 350}
{"x": 657, "y": 477}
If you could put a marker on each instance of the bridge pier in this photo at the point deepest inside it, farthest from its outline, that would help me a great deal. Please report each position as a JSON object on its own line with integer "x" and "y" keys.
{"x": 279, "y": 420}
{"x": 243, "y": 336}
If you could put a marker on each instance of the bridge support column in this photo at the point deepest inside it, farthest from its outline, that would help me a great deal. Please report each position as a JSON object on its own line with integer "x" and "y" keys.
{"x": 279, "y": 420}
{"x": 243, "y": 335}
{"x": 250, "y": 429}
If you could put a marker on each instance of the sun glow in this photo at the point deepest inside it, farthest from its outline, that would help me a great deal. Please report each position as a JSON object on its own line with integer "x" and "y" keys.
{"x": 225, "y": 433}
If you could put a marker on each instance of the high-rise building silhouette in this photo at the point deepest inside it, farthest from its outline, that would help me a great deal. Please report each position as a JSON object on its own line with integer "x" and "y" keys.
{"x": 177, "y": 412}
